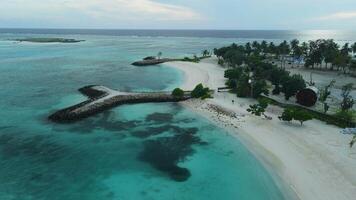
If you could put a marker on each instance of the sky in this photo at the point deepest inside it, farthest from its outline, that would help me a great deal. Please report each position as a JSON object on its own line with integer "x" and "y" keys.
{"x": 180, "y": 14}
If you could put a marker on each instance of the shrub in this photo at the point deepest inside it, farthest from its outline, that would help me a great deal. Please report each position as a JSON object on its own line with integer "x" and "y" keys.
{"x": 287, "y": 115}
{"x": 300, "y": 115}
{"x": 259, "y": 109}
{"x": 178, "y": 93}
{"x": 345, "y": 115}
{"x": 347, "y": 101}
{"x": 200, "y": 92}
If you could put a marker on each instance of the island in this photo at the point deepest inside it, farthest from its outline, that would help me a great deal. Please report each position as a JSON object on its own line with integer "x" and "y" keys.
{"x": 48, "y": 40}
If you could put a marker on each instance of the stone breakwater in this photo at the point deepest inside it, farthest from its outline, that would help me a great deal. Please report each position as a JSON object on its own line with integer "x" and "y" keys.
{"x": 102, "y": 98}
{"x": 153, "y": 62}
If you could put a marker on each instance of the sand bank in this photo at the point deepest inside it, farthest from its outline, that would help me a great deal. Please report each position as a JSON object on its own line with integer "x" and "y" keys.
{"x": 313, "y": 160}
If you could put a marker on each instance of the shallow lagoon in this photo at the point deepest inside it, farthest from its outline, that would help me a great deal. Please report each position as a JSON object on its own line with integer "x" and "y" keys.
{"x": 117, "y": 154}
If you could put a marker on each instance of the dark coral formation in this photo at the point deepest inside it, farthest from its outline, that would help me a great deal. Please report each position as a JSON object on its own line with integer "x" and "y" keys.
{"x": 164, "y": 153}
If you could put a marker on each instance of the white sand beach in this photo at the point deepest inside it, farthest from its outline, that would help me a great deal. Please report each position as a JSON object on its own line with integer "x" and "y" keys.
{"x": 313, "y": 160}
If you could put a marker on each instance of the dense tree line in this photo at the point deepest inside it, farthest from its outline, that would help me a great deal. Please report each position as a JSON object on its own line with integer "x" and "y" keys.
{"x": 319, "y": 54}
{"x": 249, "y": 72}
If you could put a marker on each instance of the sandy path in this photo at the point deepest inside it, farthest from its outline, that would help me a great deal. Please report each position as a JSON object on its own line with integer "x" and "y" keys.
{"x": 314, "y": 160}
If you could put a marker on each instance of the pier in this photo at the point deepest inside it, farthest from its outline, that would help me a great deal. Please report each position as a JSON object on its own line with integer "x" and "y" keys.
{"x": 101, "y": 98}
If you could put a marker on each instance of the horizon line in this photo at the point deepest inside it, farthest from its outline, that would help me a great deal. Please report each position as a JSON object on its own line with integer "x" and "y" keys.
{"x": 169, "y": 29}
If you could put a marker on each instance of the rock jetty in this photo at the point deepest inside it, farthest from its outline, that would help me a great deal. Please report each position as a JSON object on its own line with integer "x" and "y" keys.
{"x": 148, "y": 62}
{"x": 102, "y": 98}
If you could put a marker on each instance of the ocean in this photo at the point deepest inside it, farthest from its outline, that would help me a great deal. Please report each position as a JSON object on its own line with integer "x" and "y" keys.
{"x": 130, "y": 152}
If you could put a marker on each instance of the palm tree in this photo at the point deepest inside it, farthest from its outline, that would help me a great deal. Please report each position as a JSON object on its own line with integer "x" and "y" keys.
{"x": 345, "y": 50}
{"x": 271, "y": 48}
{"x": 264, "y": 46}
{"x": 256, "y": 47}
{"x": 295, "y": 49}
{"x": 205, "y": 53}
{"x": 159, "y": 54}
{"x": 248, "y": 48}
{"x": 305, "y": 48}
{"x": 329, "y": 52}
{"x": 353, "y": 47}
{"x": 284, "y": 49}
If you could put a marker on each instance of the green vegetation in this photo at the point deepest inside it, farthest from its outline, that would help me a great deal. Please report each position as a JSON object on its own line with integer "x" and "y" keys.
{"x": 292, "y": 84}
{"x": 178, "y": 93}
{"x": 195, "y": 59}
{"x": 201, "y": 92}
{"x": 287, "y": 115}
{"x": 329, "y": 119}
{"x": 205, "y": 53}
{"x": 300, "y": 115}
{"x": 346, "y": 115}
{"x": 347, "y": 101}
{"x": 324, "y": 94}
{"x": 259, "y": 109}
{"x": 249, "y": 71}
{"x": 49, "y": 40}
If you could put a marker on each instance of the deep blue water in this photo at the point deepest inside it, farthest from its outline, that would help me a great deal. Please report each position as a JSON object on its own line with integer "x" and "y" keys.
{"x": 130, "y": 152}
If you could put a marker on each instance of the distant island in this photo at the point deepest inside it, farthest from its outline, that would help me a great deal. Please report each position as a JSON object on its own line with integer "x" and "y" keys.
{"x": 48, "y": 40}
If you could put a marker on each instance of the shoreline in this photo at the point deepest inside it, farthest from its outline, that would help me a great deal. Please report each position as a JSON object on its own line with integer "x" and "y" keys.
{"x": 310, "y": 162}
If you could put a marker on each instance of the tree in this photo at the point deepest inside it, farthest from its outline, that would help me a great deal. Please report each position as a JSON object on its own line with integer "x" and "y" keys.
{"x": 200, "y": 92}
{"x": 233, "y": 73}
{"x": 340, "y": 60}
{"x": 292, "y": 84}
{"x": 234, "y": 57}
{"x": 259, "y": 109}
{"x": 347, "y": 101}
{"x": 297, "y": 52}
{"x": 248, "y": 48}
{"x": 329, "y": 52}
{"x": 159, "y": 54}
{"x": 284, "y": 49}
{"x": 272, "y": 49}
{"x": 256, "y": 47}
{"x": 276, "y": 77}
{"x": 205, "y": 53}
{"x": 345, "y": 50}
{"x": 353, "y": 47}
{"x": 304, "y": 48}
{"x": 259, "y": 86}
{"x": 178, "y": 93}
{"x": 243, "y": 87}
{"x": 324, "y": 94}
{"x": 287, "y": 115}
{"x": 302, "y": 116}
{"x": 264, "y": 47}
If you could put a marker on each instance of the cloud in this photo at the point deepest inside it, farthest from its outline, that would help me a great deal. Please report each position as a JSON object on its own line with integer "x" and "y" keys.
{"x": 133, "y": 9}
{"x": 338, "y": 16}
{"x": 96, "y": 11}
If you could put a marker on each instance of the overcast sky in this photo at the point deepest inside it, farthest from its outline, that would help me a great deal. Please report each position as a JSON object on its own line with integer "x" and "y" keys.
{"x": 179, "y": 14}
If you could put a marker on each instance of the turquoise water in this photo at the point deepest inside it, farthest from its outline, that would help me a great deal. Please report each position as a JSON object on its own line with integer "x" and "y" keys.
{"x": 144, "y": 151}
